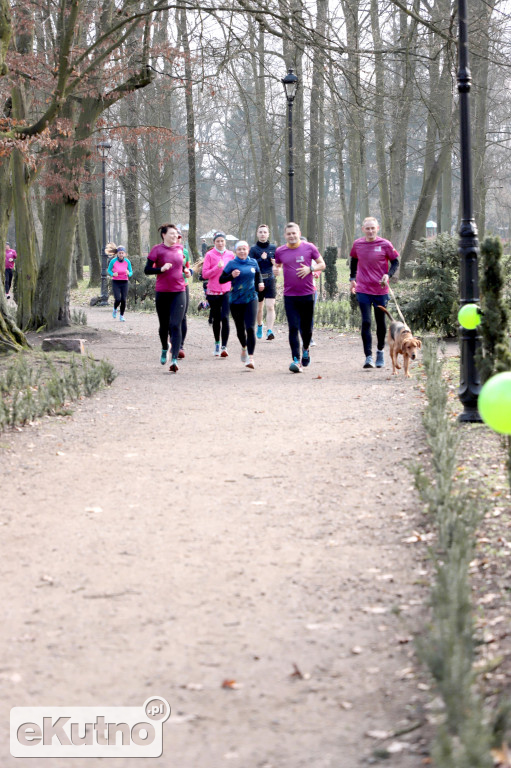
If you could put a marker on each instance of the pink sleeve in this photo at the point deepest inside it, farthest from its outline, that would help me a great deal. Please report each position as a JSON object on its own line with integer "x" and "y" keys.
{"x": 152, "y": 255}
{"x": 208, "y": 268}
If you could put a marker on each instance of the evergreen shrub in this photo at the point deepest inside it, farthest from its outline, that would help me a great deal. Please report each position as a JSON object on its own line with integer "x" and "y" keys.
{"x": 330, "y": 257}
{"x": 434, "y": 306}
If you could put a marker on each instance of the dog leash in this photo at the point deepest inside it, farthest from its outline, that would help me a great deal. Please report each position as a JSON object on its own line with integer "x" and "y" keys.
{"x": 397, "y": 305}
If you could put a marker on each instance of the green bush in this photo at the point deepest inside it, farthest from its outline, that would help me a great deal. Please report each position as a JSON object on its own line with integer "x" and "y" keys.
{"x": 36, "y": 384}
{"x": 495, "y": 355}
{"x": 141, "y": 287}
{"x": 434, "y": 306}
{"x": 330, "y": 257}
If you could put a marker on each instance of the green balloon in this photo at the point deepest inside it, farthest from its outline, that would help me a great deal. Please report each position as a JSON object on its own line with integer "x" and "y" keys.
{"x": 494, "y": 403}
{"x": 469, "y": 316}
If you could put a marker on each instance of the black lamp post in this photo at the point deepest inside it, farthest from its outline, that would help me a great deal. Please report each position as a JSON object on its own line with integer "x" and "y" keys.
{"x": 103, "y": 147}
{"x": 290, "y": 83}
{"x": 468, "y": 248}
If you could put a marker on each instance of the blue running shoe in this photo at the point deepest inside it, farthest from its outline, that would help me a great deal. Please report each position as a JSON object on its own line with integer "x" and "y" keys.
{"x": 305, "y": 358}
{"x": 259, "y": 332}
{"x": 122, "y": 319}
{"x": 295, "y": 366}
{"x": 114, "y": 314}
{"x": 163, "y": 358}
{"x": 380, "y": 362}
{"x": 369, "y": 363}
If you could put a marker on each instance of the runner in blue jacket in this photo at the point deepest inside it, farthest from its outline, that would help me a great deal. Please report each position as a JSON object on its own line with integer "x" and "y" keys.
{"x": 245, "y": 278}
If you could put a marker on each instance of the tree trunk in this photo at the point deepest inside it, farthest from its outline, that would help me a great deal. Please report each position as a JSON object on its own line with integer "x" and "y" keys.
{"x": 51, "y": 306}
{"x": 379, "y": 124}
{"x": 418, "y": 225}
{"x": 317, "y": 89}
{"x": 190, "y": 140}
{"x": 26, "y": 263}
{"x": 11, "y": 338}
{"x": 79, "y": 248}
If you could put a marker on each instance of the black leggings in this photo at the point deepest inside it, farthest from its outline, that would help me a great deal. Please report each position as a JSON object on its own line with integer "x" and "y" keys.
{"x": 365, "y": 302}
{"x": 219, "y": 306}
{"x": 120, "y": 290}
{"x": 300, "y": 315}
{"x": 244, "y": 316}
{"x": 8, "y": 280}
{"x": 170, "y": 308}
{"x": 184, "y": 324}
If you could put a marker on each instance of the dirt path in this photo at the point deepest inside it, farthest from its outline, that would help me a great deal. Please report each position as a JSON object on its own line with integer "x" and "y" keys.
{"x": 241, "y": 522}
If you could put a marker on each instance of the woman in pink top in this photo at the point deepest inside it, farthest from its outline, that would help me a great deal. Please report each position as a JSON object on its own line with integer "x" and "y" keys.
{"x": 166, "y": 262}
{"x": 218, "y": 293}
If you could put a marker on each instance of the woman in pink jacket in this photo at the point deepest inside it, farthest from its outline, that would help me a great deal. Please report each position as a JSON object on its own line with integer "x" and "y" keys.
{"x": 218, "y": 293}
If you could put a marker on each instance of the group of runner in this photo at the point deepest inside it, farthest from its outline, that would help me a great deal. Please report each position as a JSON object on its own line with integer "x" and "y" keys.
{"x": 239, "y": 282}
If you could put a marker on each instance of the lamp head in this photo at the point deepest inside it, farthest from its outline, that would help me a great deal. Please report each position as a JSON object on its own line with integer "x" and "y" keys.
{"x": 290, "y": 83}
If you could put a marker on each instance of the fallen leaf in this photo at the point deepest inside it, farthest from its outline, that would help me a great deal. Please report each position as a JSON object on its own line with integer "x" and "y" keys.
{"x": 374, "y": 609}
{"x": 356, "y": 650}
{"x": 95, "y": 510}
{"x": 397, "y": 746}
{"x": 379, "y": 735}
{"x": 231, "y": 684}
{"x": 346, "y": 705}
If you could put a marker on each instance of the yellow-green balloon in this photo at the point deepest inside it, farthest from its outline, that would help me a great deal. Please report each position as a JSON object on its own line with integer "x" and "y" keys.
{"x": 494, "y": 403}
{"x": 469, "y": 316}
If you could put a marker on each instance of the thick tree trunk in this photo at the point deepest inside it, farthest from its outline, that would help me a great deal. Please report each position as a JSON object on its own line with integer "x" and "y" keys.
{"x": 190, "y": 140}
{"x": 418, "y": 225}
{"x": 317, "y": 90}
{"x": 26, "y": 263}
{"x": 51, "y": 306}
{"x": 379, "y": 124}
{"x": 79, "y": 248}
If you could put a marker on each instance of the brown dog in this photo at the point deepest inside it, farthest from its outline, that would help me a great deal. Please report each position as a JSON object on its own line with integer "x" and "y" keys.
{"x": 401, "y": 342}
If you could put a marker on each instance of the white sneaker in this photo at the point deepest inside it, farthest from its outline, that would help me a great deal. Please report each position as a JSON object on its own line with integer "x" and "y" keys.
{"x": 250, "y": 363}
{"x": 244, "y": 356}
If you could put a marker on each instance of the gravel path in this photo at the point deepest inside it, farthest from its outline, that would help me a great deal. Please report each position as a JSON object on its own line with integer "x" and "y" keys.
{"x": 220, "y": 524}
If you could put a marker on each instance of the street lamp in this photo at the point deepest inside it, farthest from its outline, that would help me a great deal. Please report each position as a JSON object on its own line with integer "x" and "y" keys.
{"x": 468, "y": 247}
{"x": 103, "y": 147}
{"x": 290, "y": 83}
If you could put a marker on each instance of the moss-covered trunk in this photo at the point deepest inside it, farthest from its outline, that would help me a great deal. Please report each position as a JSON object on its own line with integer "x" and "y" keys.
{"x": 26, "y": 263}
{"x": 51, "y": 306}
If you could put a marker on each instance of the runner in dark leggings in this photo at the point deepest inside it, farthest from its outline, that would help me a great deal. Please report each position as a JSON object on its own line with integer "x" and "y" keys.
{"x": 246, "y": 280}
{"x": 299, "y": 259}
{"x": 120, "y": 270}
{"x": 373, "y": 261}
{"x": 184, "y": 324}
{"x": 217, "y": 294}
{"x": 166, "y": 262}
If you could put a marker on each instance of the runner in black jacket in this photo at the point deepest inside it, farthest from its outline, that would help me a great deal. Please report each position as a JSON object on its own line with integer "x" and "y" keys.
{"x": 264, "y": 253}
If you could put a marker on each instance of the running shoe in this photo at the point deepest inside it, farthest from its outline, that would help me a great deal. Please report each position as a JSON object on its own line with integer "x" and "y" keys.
{"x": 217, "y": 350}
{"x": 122, "y": 319}
{"x": 224, "y": 352}
{"x": 173, "y": 366}
{"x": 369, "y": 363}
{"x": 114, "y": 313}
{"x": 305, "y": 358}
{"x": 269, "y": 335}
{"x": 313, "y": 343}
{"x": 244, "y": 355}
{"x": 181, "y": 354}
{"x": 380, "y": 362}
{"x": 295, "y": 366}
{"x": 259, "y": 332}
{"x": 163, "y": 358}
{"x": 250, "y": 363}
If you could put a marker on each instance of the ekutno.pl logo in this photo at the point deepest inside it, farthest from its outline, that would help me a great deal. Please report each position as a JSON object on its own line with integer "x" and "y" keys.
{"x": 89, "y": 731}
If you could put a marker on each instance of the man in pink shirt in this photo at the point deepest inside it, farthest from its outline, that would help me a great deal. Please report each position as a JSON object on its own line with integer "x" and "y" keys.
{"x": 300, "y": 260}
{"x": 10, "y": 258}
{"x": 373, "y": 261}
